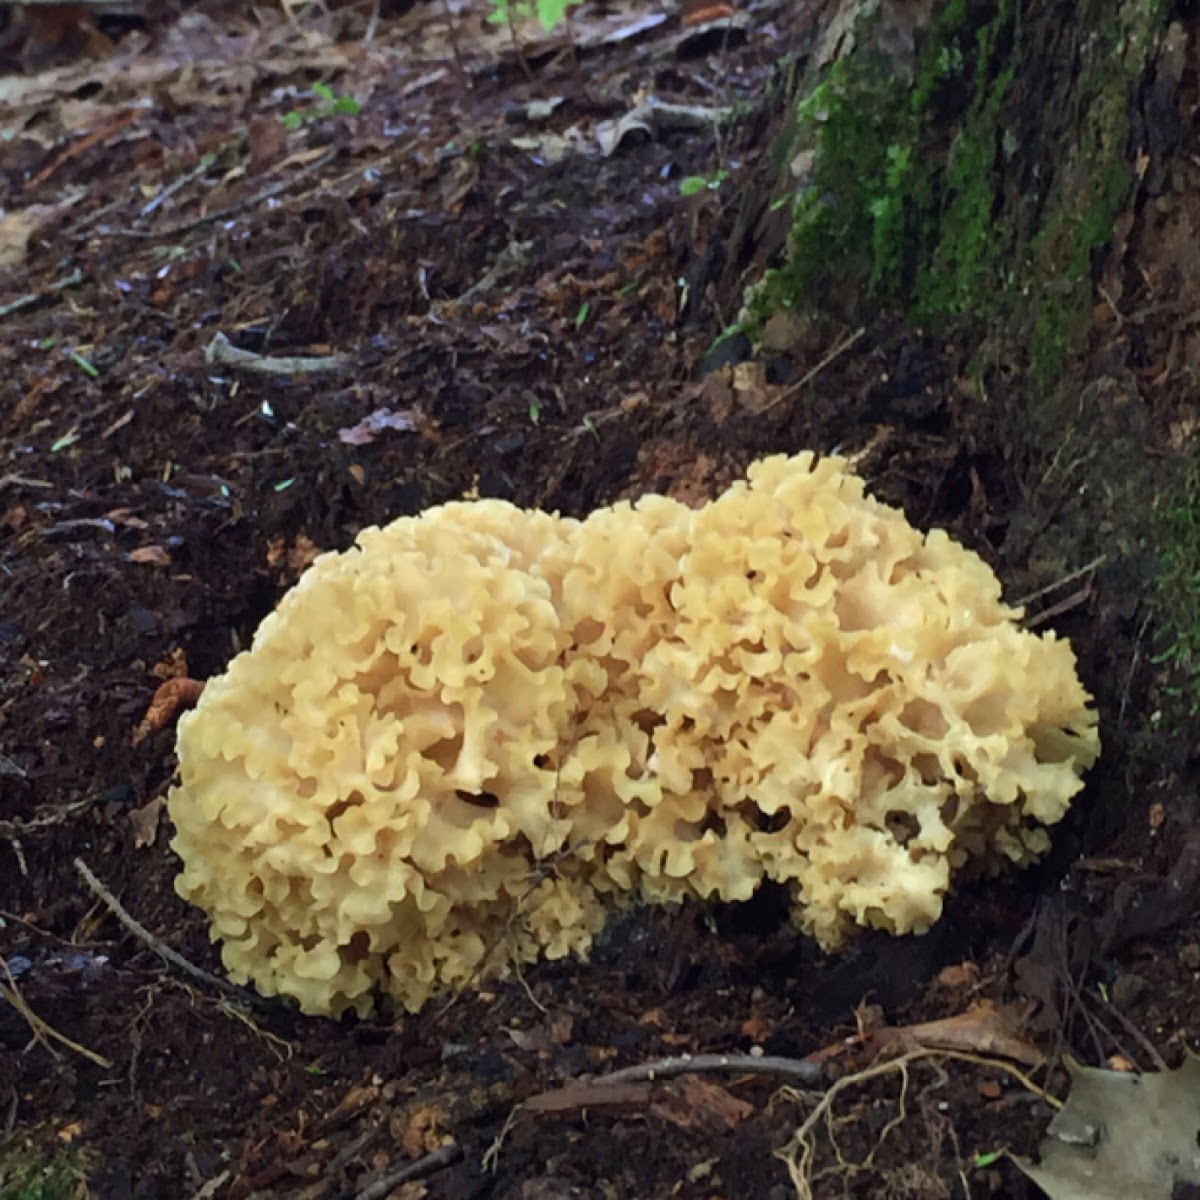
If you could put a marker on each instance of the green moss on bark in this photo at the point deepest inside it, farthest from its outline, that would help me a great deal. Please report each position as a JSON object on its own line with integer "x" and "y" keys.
{"x": 952, "y": 188}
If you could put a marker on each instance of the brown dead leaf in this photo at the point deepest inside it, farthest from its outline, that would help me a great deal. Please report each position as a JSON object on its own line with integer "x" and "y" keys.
{"x": 421, "y": 1129}
{"x": 982, "y": 1029}
{"x": 755, "y": 1028}
{"x": 14, "y": 517}
{"x": 28, "y": 403}
{"x": 16, "y": 230}
{"x": 302, "y": 553}
{"x": 171, "y": 697}
{"x": 154, "y": 556}
{"x": 266, "y": 140}
{"x": 959, "y": 976}
{"x": 145, "y": 822}
{"x": 531, "y": 1040}
{"x": 350, "y": 1105}
{"x": 578, "y": 1096}
{"x": 174, "y": 666}
{"x": 691, "y": 1102}
{"x": 456, "y": 186}
{"x": 750, "y": 386}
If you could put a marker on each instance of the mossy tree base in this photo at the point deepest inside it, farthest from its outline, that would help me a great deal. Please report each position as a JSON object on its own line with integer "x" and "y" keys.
{"x": 968, "y": 172}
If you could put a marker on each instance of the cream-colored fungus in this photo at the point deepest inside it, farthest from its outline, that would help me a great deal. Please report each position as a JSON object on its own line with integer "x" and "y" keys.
{"x": 469, "y": 739}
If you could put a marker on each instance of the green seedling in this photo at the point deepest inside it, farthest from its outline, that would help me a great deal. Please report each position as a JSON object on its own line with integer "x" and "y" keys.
{"x": 83, "y": 364}
{"x": 330, "y": 104}
{"x": 693, "y": 185}
{"x": 550, "y": 13}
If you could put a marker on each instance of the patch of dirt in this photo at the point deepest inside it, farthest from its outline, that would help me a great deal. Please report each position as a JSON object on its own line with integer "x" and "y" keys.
{"x": 511, "y": 313}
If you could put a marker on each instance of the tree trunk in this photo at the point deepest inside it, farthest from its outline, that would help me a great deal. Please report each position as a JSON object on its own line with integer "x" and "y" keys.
{"x": 966, "y": 162}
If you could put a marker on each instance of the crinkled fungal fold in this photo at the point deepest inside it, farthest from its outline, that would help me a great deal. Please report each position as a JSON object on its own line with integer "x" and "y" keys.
{"x": 469, "y": 739}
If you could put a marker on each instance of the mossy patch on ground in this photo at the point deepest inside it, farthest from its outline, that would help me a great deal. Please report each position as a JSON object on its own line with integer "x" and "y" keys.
{"x": 27, "y": 1173}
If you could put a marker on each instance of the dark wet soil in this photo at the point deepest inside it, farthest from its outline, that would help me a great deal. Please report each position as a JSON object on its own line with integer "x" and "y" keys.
{"x": 526, "y": 318}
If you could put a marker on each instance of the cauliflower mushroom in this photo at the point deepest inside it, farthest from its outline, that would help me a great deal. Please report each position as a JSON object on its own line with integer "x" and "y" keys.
{"x": 469, "y": 739}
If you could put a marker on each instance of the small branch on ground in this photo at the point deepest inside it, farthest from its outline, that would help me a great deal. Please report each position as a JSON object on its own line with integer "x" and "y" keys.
{"x": 223, "y": 214}
{"x": 32, "y": 298}
{"x": 425, "y": 1165}
{"x": 173, "y": 957}
{"x": 617, "y": 1085}
{"x": 221, "y": 352}
{"x": 799, "y": 1070}
{"x": 833, "y": 355}
{"x": 42, "y": 1032}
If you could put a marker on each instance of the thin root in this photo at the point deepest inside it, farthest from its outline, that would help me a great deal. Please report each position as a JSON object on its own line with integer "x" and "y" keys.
{"x": 799, "y": 1153}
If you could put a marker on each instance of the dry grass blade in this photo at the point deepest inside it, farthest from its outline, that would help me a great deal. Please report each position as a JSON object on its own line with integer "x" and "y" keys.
{"x": 43, "y": 1032}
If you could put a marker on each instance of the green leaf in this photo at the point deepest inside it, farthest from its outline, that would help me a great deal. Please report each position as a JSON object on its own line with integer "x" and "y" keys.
{"x": 83, "y": 364}
{"x": 323, "y": 92}
{"x": 551, "y": 12}
{"x": 347, "y": 104}
{"x": 692, "y": 185}
{"x": 292, "y": 120}
{"x": 985, "y": 1158}
{"x": 582, "y": 314}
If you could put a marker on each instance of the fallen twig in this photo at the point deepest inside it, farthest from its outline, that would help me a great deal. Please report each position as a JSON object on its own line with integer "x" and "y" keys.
{"x": 838, "y": 350}
{"x": 159, "y": 947}
{"x": 615, "y": 1086}
{"x": 14, "y": 829}
{"x": 1086, "y": 569}
{"x": 222, "y": 214}
{"x": 85, "y": 143}
{"x": 206, "y": 161}
{"x": 222, "y": 353}
{"x": 32, "y": 298}
{"x": 41, "y": 1031}
{"x": 1074, "y": 600}
{"x": 800, "y": 1070}
{"x": 425, "y": 1165}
